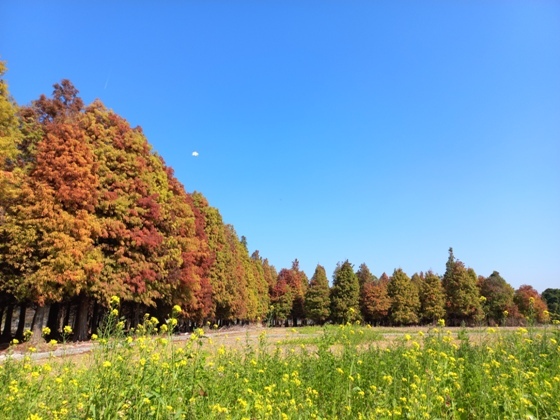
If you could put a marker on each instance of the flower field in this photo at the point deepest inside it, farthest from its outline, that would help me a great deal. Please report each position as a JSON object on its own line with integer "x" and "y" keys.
{"x": 336, "y": 372}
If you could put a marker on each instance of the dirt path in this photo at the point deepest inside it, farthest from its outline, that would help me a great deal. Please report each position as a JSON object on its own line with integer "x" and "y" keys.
{"x": 233, "y": 337}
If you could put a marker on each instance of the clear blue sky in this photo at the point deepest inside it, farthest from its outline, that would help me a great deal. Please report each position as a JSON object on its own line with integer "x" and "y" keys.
{"x": 381, "y": 132}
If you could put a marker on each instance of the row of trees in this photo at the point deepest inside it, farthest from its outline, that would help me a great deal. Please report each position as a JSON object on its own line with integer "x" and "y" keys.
{"x": 459, "y": 296}
{"x": 88, "y": 211}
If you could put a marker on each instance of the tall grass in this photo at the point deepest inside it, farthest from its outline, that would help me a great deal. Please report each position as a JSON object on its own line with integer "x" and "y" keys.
{"x": 507, "y": 374}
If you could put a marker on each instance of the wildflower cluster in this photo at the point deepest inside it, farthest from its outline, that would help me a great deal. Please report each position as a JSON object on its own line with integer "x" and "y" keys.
{"x": 339, "y": 372}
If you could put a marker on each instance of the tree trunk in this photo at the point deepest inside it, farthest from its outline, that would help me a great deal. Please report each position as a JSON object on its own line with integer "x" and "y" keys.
{"x": 7, "y": 333}
{"x": 21, "y": 321}
{"x": 67, "y": 312}
{"x": 37, "y": 325}
{"x": 81, "y": 332}
{"x": 53, "y": 321}
{"x": 1, "y": 318}
{"x": 94, "y": 324}
{"x": 135, "y": 316}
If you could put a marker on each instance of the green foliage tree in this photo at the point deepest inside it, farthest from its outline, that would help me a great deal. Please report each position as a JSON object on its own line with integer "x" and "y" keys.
{"x": 10, "y": 137}
{"x": 345, "y": 294}
{"x": 497, "y": 297}
{"x": 432, "y": 298}
{"x": 244, "y": 281}
{"x": 462, "y": 296}
{"x": 263, "y": 295}
{"x": 257, "y": 288}
{"x": 552, "y": 299}
{"x": 405, "y": 302}
{"x": 317, "y": 297}
{"x": 270, "y": 274}
{"x": 238, "y": 278}
{"x": 417, "y": 279}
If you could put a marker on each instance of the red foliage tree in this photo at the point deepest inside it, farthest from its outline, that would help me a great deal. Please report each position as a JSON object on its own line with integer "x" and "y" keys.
{"x": 530, "y": 303}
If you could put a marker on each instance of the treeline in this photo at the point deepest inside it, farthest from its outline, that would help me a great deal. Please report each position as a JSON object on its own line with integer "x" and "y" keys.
{"x": 460, "y": 297}
{"x": 88, "y": 211}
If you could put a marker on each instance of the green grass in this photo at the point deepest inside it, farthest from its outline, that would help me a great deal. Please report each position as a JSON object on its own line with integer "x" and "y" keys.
{"x": 329, "y": 374}
{"x": 337, "y": 334}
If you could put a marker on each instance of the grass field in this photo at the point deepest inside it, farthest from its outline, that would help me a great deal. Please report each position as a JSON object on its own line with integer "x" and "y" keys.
{"x": 344, "y": 372}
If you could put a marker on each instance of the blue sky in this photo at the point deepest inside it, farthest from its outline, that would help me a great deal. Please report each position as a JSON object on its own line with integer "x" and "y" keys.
{"x": 380, "y": 132}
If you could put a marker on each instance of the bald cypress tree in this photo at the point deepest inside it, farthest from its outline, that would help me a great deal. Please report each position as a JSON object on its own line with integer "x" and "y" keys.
{"x": 375, "y": 301}
{"x": 281, "y": 298}
{"x": 297, "y": 280}
{"x": 432, "y": 298}
{"x": 11, "y": 182}
{"x": 364, "y": 275}
{"x": 261, "y": 285}
{"x": 317, "y": 299}
{"x": 461, "y": 292}
{"x": 404, "y": 299}
{"x": 345, "y": 294}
